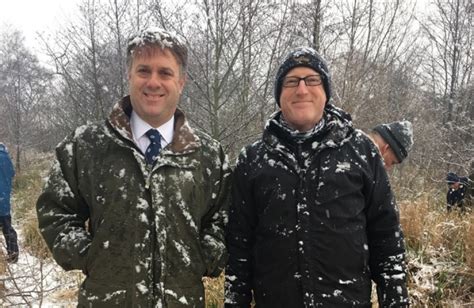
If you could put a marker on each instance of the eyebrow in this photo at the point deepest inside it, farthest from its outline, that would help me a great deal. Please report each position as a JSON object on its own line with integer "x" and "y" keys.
{"x": 313, "y": 74}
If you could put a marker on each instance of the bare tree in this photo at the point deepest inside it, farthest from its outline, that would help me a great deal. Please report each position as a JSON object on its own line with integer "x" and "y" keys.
{"x": 233, "y": 48}
{"x": 23, "y": 87}
{"x": 115, "y": 14}
{"x": 374, "y": 43}
{"x": 448, "y": 73}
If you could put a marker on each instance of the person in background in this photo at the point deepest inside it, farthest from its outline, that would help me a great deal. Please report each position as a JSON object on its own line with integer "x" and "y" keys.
{"x": 313, "y": 219}
{"x": 456, "y": 191}
{"x": 394, "y": 141}
{"x": 7, "y": 172}
{"x": 139, "y": 202}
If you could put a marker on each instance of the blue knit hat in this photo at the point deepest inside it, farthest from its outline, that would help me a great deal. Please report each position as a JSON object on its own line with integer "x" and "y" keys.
{"x": 307, "y": 57}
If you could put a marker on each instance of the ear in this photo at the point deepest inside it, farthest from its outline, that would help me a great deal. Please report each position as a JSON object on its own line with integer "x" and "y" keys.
{"x": 182, "y": 82}
{"x": 384, "y": 149}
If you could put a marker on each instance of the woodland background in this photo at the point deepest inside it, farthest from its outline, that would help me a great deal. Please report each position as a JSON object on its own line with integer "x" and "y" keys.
{"x": 390, "y": 60}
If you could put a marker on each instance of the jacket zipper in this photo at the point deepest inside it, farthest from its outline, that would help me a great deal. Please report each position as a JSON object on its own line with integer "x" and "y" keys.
{"x": 148, "y": 177}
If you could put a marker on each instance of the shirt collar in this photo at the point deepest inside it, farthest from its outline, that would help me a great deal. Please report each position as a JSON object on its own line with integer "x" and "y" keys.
{"x": 140, "y": 127}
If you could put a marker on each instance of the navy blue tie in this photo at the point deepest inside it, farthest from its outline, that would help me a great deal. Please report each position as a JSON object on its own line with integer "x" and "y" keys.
{"x": 154, "y": 148}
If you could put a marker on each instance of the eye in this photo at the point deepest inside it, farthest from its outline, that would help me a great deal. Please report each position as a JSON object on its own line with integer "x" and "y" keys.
{"x": 143, "y": 70}
{"x": 166, "y": 73}
{"x": 313, "y": 80}
{"x": 290, "y": 82}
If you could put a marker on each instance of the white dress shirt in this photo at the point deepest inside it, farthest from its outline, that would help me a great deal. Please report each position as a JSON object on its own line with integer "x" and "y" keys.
{"x": 140, "y": 127}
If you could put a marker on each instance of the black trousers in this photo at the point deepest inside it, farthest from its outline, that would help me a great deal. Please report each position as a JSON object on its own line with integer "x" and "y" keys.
{"x": 9, "y": 233}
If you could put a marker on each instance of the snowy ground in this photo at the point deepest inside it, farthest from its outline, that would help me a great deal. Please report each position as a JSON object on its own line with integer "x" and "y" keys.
{"x": 35, "y": 283}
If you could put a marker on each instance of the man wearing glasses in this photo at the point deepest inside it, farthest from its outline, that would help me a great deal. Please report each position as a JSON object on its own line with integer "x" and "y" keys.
{"x": 313, "y": 219}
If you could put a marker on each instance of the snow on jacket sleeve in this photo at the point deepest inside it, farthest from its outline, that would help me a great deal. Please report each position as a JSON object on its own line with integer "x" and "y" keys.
{"x": 212, "y": 235}
{"x": 239, "y": 237}
{"x": 386, "y": 244}
{"x": 62, "y": 213}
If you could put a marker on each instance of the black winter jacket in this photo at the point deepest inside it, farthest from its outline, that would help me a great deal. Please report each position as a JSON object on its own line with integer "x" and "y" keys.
{"x": 313, "y": 222}
{"x": 456, "y": 196}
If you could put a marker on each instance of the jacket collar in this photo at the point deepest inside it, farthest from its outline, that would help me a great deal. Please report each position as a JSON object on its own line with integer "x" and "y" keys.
{"x": 184, "y": 139}
{"x": 336, "y": 131}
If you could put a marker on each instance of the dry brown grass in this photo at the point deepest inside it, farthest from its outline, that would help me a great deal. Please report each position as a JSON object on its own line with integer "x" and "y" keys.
{"x": 3, "y": 271}
{"x": 440, "y": 253}
{"x": 446, "y": 234}
{"x": 68, "y": 295}
{"x": 32, "y": 239}
{"x": 214, "y": 291}
{"x": 27, "y": 187}
{"x": 469, "y": 242}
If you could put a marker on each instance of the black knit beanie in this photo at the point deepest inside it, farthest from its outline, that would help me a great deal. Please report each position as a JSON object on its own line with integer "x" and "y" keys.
{"x": 452, "y": 178}
{"x": 303, "y": 56}
{"x": 398, "y": 135}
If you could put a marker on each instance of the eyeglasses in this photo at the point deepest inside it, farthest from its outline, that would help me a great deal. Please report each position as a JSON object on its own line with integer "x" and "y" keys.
{"x": 309, "y": 81}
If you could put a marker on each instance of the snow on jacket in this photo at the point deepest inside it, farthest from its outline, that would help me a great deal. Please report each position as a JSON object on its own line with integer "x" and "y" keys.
{"x": 456, "y": 196}
{"x": 7, "y": 172}
{"x": 144, "y": 236}
{"x": 313, "y": 222}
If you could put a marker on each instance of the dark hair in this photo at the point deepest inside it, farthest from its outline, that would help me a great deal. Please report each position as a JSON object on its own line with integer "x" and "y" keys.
{"x": 148, "y": 39}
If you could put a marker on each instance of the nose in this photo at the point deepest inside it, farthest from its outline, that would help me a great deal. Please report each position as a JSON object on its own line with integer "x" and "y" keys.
{"x": 154, "y": 81}
{"x": 302, "y": 87}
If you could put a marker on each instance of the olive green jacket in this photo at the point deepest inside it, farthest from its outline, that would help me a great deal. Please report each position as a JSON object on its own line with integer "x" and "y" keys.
{"x": 144, "y": 236}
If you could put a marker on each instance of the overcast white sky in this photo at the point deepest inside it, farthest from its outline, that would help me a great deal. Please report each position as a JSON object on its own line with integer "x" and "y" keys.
{"x": 30, "y": 16}
{"x": 45, "y": 16}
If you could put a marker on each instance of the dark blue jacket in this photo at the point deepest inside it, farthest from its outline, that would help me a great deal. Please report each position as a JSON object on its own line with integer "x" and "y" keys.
{"x": 6, "y": 175}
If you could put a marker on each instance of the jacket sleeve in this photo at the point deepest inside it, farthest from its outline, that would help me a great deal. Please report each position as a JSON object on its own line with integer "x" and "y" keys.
{"x": 240, "y": 240}
{"x": 62, "y": 213}
{"x": 386, "y": 242}
{"x": 7, "y": 168}
{"x": 212, "y": 234}
{"x": 11, "y": 168}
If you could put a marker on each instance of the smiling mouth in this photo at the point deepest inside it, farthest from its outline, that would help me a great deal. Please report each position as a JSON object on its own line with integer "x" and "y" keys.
{"x": 152, "y": 95}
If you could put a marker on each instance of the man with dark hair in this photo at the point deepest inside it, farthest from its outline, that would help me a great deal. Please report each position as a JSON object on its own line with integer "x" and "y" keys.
{"x": 394, "y": 141}
{"x": 139, "y": 202}
{"x": 313, "y": 219}
{"x": 7, "y": 172}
